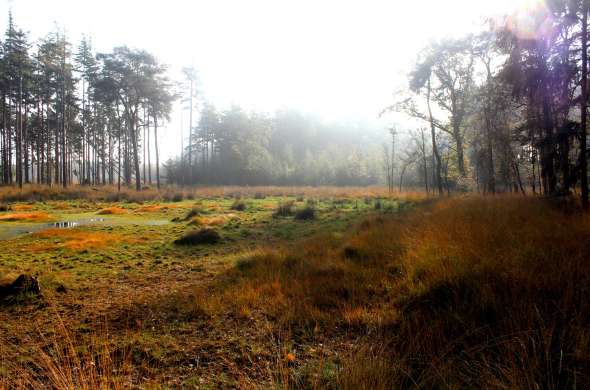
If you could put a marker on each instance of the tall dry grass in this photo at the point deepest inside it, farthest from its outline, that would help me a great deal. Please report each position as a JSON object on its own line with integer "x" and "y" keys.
{"x": 469, "y": 292}
{"x": 60, "y": 361}
{"x": 466, "y": 292}
{"x": 172, "y": 193}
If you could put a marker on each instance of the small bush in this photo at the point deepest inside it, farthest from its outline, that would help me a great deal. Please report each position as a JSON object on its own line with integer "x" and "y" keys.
{"x": 300, "y": 198}
{"x": 177, "y": 197}
{"x": 196, "y": 237}
{"x": 306, "y": 213}
{"x": 284, "y": 209}
{"x": 238, "y": 205}
{"x": 259, "y": 195}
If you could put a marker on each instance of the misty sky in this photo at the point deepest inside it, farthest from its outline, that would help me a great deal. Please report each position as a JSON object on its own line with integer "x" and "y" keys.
{"x": 340, "y": 59}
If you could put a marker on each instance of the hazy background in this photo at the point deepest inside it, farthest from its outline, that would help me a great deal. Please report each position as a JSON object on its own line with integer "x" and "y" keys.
{"x": 339, "y": 59}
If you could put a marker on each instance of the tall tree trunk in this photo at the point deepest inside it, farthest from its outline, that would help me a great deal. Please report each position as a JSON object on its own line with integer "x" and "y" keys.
{"x": 424, "y": 161}
{"x": 583, "y": 107}
{"x": 436, "y": 159}
{"x": 149, "y": 161}
{"x": 459, "y": 145}
{"x": 143, "y": 147}
{"x": 19, "y": 136}
{"x": 26, "y": 145}
{"x": 157, "y": 153}
{"x": 133, "y": 133}
{"x": 190, "y": 134}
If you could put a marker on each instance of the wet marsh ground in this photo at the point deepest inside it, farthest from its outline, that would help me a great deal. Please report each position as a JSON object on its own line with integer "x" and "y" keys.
{"x": 361, "y": 292}
{"x": 110, "y": 270}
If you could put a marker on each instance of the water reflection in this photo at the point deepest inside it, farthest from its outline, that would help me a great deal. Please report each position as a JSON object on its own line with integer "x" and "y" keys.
{"x": 10, "y": 231}
{"x": 73, "y": 224}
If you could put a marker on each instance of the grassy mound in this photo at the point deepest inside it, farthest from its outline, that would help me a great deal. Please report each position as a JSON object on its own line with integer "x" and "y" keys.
{"x": 306, "y": 213}
{"x": 238, "y": 205}
{"x": 202, "y": 236}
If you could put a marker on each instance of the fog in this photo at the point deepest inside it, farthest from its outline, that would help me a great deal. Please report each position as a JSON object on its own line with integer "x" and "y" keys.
{"x": 341, "y": 60}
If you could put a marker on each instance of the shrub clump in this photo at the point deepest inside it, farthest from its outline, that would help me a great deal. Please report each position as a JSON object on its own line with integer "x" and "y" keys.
{"x": 284, "y": 209}
{"x": 306, "y": 213}
{"x": 238, "y": 205}
{"x": 202, "y": 236}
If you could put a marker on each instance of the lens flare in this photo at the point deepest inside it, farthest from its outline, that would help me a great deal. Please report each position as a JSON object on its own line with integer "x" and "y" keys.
{"x": 530, "y": 20}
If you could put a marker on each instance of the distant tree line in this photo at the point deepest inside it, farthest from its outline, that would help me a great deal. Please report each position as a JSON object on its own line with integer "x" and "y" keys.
{"x": 505, "y": 110}
{"x": 287, "y": 148}
{"x": 79, "y": 117}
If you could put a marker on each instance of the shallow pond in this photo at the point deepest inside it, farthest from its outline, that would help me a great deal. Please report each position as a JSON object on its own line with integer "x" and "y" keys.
{"x": 10, "y": 230}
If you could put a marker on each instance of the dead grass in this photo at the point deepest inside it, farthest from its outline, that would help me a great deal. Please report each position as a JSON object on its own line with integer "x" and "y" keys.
{"x": 209, "y": 221}
{"x": 110, "y": 194}
{"x": 59, "y": 362}
{"x": 26, "y": 217}
{"x": 468, "y": 292}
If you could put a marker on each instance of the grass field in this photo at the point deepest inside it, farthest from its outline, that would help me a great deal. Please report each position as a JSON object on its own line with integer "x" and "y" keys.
{"x": 368, "y": 292}
{"x": 127, "y": 285}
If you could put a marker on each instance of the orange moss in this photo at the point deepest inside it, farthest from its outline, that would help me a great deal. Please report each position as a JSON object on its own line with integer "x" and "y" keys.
{"x": 25, "y": 217}
{"x": 22, "y": 207}
{"x": 112, "y": 210}
{"x": 74, "y": 239}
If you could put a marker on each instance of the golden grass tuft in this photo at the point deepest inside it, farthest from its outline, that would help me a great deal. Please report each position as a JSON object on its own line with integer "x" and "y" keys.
{"x": 213, "y": 220}
{"x": 154, "y": 208}
{"x": 26, "y": 217}
{"x": 112, "y": 211}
